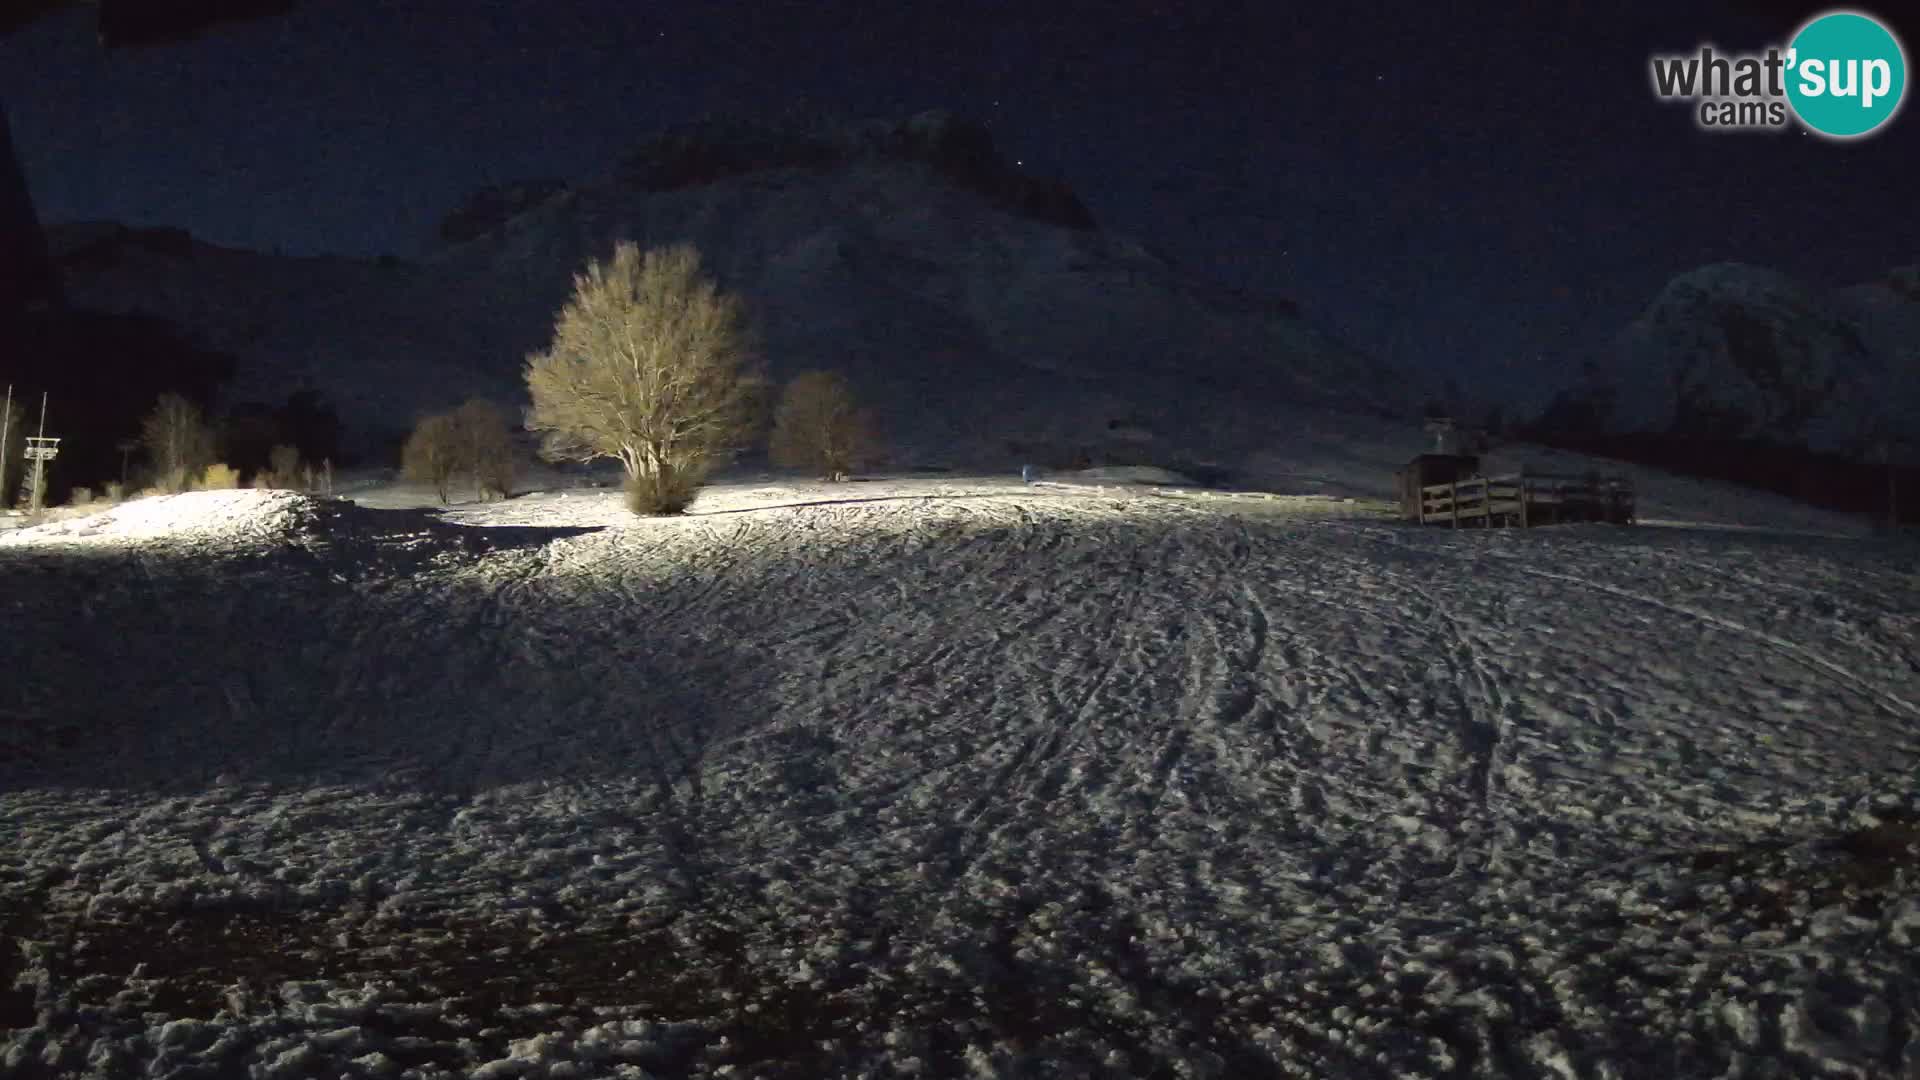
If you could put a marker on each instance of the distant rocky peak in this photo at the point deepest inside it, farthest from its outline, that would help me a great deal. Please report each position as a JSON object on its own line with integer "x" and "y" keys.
{"x": 1905, "y": 281}
{"x": 490, "y": 207}
{"x": 713, "y": 149}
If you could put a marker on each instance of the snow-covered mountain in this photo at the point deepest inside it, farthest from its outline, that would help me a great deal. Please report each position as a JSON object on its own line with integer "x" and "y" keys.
{"x": 1886, "y": 314}
{"x": 982, "y": 310}
{"x": 1742, "y": 352}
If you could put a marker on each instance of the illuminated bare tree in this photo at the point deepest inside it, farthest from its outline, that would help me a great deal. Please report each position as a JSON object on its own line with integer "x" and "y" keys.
{"x": 649, "y": 365}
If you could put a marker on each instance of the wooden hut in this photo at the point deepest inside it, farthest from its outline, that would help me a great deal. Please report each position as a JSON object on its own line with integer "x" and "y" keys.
{"x": 1428, "y": 469}
{"x": 1523, "y": 498}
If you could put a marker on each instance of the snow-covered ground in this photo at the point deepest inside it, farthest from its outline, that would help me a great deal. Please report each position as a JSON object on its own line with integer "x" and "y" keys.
{"x": 950, "y": 777}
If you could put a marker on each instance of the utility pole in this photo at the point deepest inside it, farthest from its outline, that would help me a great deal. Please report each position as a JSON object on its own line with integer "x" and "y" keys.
{"x": 40, "y": 462}
{"x": 40, "y": 450}
{"x": 6, "y": 418}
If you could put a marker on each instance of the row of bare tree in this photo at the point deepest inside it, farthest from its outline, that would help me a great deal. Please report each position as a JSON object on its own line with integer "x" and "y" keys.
{"x": 472, "y": 440}
{"x": 650, "y": 364}
{"x": 182, "y": 451}
{"x": 653, "y": 366}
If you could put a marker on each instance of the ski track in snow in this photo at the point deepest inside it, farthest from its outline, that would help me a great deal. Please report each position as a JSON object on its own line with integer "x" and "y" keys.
{"x": 950, "y": 778}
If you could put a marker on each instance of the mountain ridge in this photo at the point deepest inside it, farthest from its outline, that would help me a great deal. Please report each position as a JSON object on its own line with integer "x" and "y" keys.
{"x": 1733, "y": 351}
{"x": 977, "y": 327}
{"x": 701, "y": 152}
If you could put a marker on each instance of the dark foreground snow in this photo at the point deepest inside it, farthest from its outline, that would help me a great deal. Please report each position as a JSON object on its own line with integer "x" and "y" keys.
{"x": 950, "y": 779}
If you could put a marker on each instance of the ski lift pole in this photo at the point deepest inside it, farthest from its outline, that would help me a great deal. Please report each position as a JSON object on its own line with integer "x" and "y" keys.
{"x": 40, "y": 450}
{"x": 6, "y": 419}
{"x": 39, "y": 462}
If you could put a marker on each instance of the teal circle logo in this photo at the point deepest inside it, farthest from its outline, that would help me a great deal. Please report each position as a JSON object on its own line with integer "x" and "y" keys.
{"x": 1846, "y": 74}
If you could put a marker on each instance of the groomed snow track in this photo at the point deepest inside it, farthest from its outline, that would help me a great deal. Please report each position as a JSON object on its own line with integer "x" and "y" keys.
{"x": 997, "y": 782}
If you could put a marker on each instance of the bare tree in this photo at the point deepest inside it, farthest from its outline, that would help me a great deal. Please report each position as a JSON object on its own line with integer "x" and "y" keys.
{"x": 284, "y": 466}
{"x": 127, "y": 448}
{"x": 819, "y": 426}
{"x": 179, "y": 443}
{"x": 486, "y": 447}
{"x": 649, "y": 365}
{"x": 432, "y": 454}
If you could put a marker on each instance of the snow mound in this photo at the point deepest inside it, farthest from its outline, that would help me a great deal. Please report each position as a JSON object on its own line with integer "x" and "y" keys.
{"x": 226, "y": 517}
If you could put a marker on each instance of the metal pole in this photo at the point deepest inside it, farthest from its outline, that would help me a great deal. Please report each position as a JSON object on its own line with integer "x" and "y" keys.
{"x": 40, "y": 463}
{"x": 6, "y": 417}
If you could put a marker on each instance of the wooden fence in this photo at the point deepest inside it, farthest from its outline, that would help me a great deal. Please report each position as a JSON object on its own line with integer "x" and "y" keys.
{"x": 1527, "y": 499}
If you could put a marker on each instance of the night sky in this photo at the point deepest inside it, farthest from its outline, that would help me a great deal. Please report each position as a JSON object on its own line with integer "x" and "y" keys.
{"x": 1478, "y": 195}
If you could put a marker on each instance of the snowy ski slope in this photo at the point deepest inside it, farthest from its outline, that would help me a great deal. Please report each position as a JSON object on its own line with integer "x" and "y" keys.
{"x": 950, "y": 778}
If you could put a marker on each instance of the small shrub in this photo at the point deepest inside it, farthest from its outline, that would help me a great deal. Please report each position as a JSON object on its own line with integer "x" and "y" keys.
{"x": 219, "y": 477}
{"x": 116, "y": 491}
{"x": 496, "y": 476}
{"x": 660, "y": 492}
{"x": 80, "y": 496}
